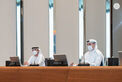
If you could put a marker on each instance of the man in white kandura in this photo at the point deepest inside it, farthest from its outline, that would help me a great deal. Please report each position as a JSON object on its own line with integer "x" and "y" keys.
{"x": 37, "y": 58}
{"x": 94, "y": 56}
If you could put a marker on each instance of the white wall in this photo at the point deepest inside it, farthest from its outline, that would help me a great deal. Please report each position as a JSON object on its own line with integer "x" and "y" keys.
{"x": 35, "y": 26}
{"x": 66, "y": 25}
{"x": 7, "y": 30}
{"x": 95, "y": 22}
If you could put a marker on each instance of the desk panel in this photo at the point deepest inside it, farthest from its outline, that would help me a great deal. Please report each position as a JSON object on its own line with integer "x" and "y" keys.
{"x": 61, "y": 74}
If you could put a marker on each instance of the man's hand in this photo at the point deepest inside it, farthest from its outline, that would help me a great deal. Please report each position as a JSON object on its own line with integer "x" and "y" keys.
{"x": 72, "y": 64}
{"x": 86, "y": 63}
{"x": 26, "y": 63}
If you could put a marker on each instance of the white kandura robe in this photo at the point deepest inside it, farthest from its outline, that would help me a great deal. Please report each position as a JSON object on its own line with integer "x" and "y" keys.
{"x": 37, "y": 60}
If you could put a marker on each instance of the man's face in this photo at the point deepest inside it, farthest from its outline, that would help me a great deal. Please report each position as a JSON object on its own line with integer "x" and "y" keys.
{"x": 36, "y": 50}
{"x": 91, "y": 44}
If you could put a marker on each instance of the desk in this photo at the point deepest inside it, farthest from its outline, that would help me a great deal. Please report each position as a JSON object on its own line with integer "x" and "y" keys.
{"x": 61, "y": 74}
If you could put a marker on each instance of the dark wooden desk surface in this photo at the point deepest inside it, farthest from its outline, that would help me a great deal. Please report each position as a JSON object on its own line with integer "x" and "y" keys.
{"x": 61, "y": 74}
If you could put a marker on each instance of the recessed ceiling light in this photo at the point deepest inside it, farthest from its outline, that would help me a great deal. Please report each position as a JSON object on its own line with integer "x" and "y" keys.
{"x": 116, "y": 6}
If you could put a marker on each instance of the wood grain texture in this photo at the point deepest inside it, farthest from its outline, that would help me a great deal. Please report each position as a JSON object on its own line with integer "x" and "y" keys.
{"x": 61, "y": 74}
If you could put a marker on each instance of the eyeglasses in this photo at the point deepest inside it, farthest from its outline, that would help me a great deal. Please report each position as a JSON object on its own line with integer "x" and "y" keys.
{"x": 90, "y": 43}
{"x": 34, "y": 49}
